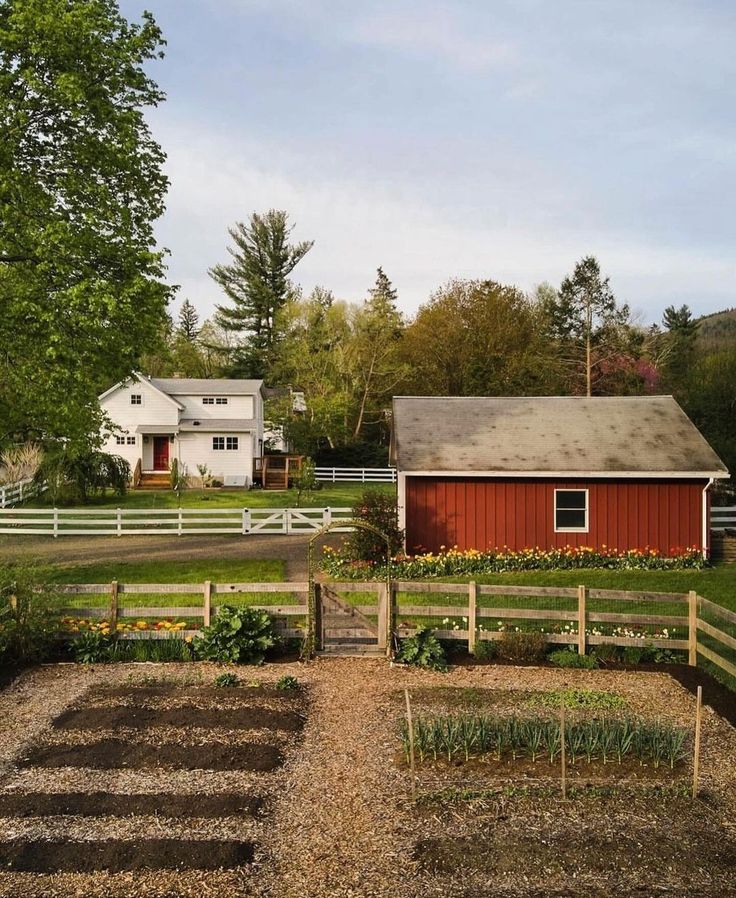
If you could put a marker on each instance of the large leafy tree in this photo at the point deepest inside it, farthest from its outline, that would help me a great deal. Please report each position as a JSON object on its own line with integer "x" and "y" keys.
{"x": 257, "y": 283}
{"x": 589, "y": 327}
{"x": 476, "y": 338}
{"x": 81, "y": 280}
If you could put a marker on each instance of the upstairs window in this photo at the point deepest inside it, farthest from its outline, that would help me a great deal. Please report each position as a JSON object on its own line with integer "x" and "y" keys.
{"x": 218, "y": 442}
{"x": 136, "y": 399}
{"x": 214, "y": 400}
{"x": 130, "y": 441}
{"x": 225, "y": 443}
{"x": 231, "y": 443}
{"x": 120, "y": 441}
{"x": 571, "y": 511}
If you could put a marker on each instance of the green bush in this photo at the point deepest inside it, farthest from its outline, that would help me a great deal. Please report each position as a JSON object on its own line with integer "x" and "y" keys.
{"x": 76, "y": 475}
{"x": 29, "y": 619}
{"x": 227, "y": 680}
{"x": 486, "y": 649}
{"x": 92, "y": 647}
{"x": 237, "y": 635}
{"x": 522, "y": 646}
{"x": 287, "y": 684}
{"x": 571, "y": 658}
{"x": 380, "y": 511}
{"x": 422, "y": 650}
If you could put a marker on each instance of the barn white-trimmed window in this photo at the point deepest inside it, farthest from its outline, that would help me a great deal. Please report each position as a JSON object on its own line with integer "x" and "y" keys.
{"x": 571, "y": 511}
{"x": 136, "y": 399}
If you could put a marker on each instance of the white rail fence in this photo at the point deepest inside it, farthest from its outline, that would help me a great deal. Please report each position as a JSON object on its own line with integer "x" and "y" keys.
{"x": 356, "y": 475}
{"x": 13, "y": 493}
{"x": 180, "y": 521}
{"x": 722, "y": 517}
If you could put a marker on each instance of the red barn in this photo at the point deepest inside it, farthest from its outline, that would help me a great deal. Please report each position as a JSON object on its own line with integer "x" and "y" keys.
{"x": 486, "y": 472}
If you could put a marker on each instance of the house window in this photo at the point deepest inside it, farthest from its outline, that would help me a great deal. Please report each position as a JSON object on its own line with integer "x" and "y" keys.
{"x": 130, "y": 441}
{"x": 218, "y": 442}
{"x": 214, "y": 400}
{"x": 225, "y": 443}
{"x": 232, "y": 442}
{"x": 220, "y": 400}
{"x": 136, "y": 399}
{"x": 571, "y": 511}
{"x": 120, "y": 441}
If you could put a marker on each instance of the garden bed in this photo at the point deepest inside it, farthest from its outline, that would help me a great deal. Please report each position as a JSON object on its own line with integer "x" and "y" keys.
{"x": 115, "y": 856}
{"x": 135, "y": 717}
{"x": 104, "y": 804}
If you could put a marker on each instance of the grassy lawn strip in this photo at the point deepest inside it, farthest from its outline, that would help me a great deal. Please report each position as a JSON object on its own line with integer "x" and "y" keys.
{"x": 335, "y": 495}
{"x": 195, "y": 570}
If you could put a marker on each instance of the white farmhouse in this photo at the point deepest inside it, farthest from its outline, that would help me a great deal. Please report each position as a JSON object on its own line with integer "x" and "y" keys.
{"x": 212, "y": 422}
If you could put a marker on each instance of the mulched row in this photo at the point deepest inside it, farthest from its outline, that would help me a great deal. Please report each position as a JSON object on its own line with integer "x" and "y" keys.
{"x": 110, "y": 754}
{"x": 116, "y": 856}
{"x": 134, "y": 717}
{"x": 110, "y": 804}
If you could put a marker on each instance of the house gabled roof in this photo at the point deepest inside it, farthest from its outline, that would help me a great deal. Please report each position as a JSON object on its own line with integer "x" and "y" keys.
{"x": 635, "y": 436}
{"x": 204, "y": 386}
{"x": 145, "y": 380}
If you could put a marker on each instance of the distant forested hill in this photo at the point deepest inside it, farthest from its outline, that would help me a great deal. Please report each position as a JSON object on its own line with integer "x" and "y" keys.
{"x": 717, "y": 331}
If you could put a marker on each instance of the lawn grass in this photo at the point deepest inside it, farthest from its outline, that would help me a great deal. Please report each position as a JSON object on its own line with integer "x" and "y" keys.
{"x": 334, "y": 495}
{"x": 157, "y": 571}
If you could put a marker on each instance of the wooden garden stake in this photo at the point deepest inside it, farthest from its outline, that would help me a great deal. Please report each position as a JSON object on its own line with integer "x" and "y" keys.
{"x": 412, "y": 766}
{"x": 696, "y": 757}
{"x": 562, "y": 752}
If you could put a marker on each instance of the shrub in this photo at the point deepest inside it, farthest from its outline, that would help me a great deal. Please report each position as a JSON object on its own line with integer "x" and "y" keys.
{"x": 29, "y": 623}
{"x": 571, "y": 658}
{"x": 227, "y": 680}
{"x": 287, "y": 684}
{"x": 486, "y": 649}
{"x": 304, "y": 481}
{"x": 605, "y": 652}
{"x": 79, "y": 474}
{"x": 20, "y": 462}
{"x": 380, "y": 511}
{"x": 237, "y": 635}
{"x": 522, "y": 646}
{"x": 92, "y": 647}
{"x": 422, "y": 650}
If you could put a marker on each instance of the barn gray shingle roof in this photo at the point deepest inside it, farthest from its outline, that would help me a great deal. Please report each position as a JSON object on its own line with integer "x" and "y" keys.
{"x": 570, "y": 435}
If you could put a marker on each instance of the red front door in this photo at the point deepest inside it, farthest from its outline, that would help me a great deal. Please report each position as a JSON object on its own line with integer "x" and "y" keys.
{"x": 160, "y": 453}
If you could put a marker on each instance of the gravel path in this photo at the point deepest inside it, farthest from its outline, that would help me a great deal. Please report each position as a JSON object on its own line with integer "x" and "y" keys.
{"x": 71, "y": 550}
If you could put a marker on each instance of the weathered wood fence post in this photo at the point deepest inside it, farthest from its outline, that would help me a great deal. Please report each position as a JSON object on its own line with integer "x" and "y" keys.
{"x": 114, "y": 588}
{"x": 582, "y": 601}
{"x": 692, "y": 628}
{"x": 472, "y": 611}
{"x": 315, "y": 623}
{"x": 383, "y": 616}
{"x": 696, "y": 755}
{"x": 207, "y": 603}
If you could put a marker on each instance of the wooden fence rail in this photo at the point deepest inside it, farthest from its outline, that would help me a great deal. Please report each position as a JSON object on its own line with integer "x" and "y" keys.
{"x": 396, "y": 616}
{"x": 166, "y": 521}
{"x": 14, "y": 493}
{"x": 355, "y": 475}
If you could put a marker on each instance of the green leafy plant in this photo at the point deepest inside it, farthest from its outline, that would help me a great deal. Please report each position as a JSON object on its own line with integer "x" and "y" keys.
{"x": 29, "y": 621}
{"x": 304, "y": 481}
{"x": 571, "y": 658}
{"x": 583, "y": 699}
{"x": 227, "y": 680}
{"x": 380, "y": 511}
{"x": 92, "y": 648}
{"x": 522, "y": 646}
{"x": 287, "y": 683}
{"x": 237, "y": 635}
{"x": 77, "y": 474}
{"x": 606, "y": 653}
{"x": 423, "y": 649}
{"x": 486, "y": 650}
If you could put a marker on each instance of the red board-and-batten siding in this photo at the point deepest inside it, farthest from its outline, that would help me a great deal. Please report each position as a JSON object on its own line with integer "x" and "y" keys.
{"x": 484, "y": 513}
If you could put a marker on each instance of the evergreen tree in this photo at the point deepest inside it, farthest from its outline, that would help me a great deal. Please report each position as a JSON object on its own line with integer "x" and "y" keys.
{"x": 586, "y": 321}
{"x": 257, "y": 284}
{"x": 678, "y": 347}
{"x": 188, "y": 322}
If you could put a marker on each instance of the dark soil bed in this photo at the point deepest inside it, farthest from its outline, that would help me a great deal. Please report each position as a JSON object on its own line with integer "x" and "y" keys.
{"x": 106, "y": 804}
{"x": 7, "y": 675}
{"x": 130, "y": 716}
{"x": 108, "y": 754}
{"x": 236, "y": 694}
{"x": 114, "y": 856}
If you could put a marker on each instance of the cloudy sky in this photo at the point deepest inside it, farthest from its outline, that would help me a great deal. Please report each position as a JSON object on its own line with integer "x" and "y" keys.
{"x": 456, "y": 138}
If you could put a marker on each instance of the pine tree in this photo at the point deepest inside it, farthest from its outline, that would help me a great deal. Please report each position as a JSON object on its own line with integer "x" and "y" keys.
{"x": 257, "y": 284}
{"x": 188, "y": 322}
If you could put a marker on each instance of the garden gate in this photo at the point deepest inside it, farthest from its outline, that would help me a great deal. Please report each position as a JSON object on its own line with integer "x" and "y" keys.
{"x": 342, "y": 627}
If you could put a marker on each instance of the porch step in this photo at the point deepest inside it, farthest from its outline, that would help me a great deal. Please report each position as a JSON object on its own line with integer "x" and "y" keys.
{"x": 158, "y": 481}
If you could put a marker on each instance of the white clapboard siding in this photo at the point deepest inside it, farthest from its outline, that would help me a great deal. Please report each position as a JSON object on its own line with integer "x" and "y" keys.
{"x": 181, "y": 521}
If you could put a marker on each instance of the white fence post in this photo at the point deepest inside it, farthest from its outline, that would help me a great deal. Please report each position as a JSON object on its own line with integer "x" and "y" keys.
{"x": 327, "y": 517}
{"x": 119, "y": 521}
{"x": 246, "y": 521}
{"x": 180, "y": 529}
{"x": 2, "y": 497}
{"x": 287, "y": 520}
{"x": 56, "y": 522}
{"x": 20, "y": 490}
